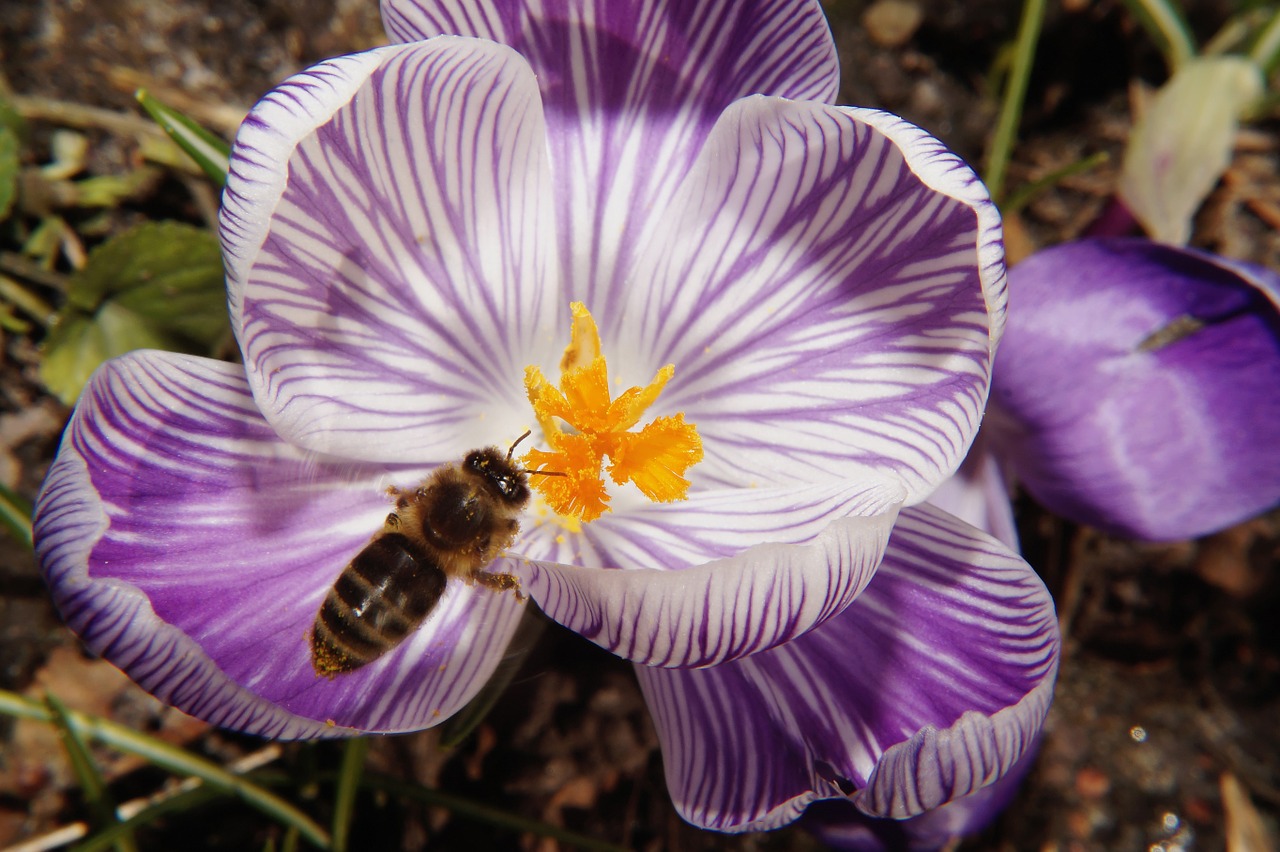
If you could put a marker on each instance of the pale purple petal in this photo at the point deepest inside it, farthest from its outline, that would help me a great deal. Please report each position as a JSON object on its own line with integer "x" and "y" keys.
{"x": 1136, "y": 389}
{"x": 719, "y": 576}
{"x": 631, "y": 90}
{"x": 191, "y": 547}
{"x": 932, "y": 685}
{"x": 385, "y": 226}
{"x": 978, "y": 494}
{"x": 828, "y": 287}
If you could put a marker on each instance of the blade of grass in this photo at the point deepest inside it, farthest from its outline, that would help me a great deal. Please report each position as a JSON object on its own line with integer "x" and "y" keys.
{"x": 353, "y": 754}
{"x": 185, "y": 801}
{"x": 26, "y": 301}
{"x": 1266, "y": 50}
{"x": 15, "y": 513}
{"x": 188, "y": 794}
{"x": 92, "y": 784}
{"x": 211, "y": 153}
{"x": 458, "y": 806}
{"x": 1167, "y": 27}
{"x": 492, "y": 816}
{"x": 175, "y": 760}
{"x": 1015, "y": 93}
{"x": 1019, "y": 199}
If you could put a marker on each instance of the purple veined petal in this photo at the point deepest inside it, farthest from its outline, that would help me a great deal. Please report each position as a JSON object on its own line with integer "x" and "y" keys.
{"x": 631, "y": 90}
{"x": 932, "y": 685}
{"x": 384, "y": 227}
{"x": 719, "y": 576}
{"x": 978, "y": 494}
{"x": 840, "y": 825}
{"x": 1136, "y": 389}
{"x": 191, "y": 547}
{"x": 829, "y": 288}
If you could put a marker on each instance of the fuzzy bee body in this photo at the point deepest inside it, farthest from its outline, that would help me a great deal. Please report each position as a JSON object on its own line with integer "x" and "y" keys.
{"x": 451, "y": 526}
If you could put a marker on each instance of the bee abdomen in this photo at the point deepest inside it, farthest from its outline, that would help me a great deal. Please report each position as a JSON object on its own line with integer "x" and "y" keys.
{"x": 380, "y": 597}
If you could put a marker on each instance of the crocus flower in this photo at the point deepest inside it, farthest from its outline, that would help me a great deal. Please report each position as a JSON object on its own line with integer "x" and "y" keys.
{"x": 405, "y": 231}
{"x": 1136, "y": 390}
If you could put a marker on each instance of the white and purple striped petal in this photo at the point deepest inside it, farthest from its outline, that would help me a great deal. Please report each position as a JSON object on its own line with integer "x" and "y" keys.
{"x": 1137, "y": 387}
{"x": 830, "y": 287}
{"x": 840, "y": 825}
{"x": 720, "y": 576}
{"x": 386, "y": 228}
{"x": 932, "y": 685}
{"x": 191, "y": 547}
{"x": 631, "y": 90}
{"x": 978, "y": 493}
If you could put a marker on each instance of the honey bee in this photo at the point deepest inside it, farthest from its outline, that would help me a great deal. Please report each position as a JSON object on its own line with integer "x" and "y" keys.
{"x": 450, "y": 527}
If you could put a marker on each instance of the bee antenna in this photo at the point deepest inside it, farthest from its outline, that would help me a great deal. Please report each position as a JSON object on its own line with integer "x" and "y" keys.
{"x": 544, "y": 472}
{"x": 516, "y": 443}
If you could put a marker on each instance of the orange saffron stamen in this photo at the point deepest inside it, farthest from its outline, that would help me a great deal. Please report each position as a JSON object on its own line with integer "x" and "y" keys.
{"x": 655, "y": 458}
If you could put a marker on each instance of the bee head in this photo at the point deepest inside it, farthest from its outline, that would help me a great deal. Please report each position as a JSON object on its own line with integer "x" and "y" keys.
{"x": 505, "y": 481}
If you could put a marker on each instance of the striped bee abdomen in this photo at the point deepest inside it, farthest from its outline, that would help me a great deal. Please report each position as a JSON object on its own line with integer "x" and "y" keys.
{"x": 386, "y": 591}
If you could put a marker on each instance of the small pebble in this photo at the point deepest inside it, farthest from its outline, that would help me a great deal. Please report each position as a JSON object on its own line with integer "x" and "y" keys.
{"x": 892, "y": 23}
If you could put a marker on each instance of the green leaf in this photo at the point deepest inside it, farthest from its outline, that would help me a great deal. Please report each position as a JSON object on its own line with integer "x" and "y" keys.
{"x": 154, "y": 260}
{"x": 8, "y": 170}
{"x": 11, "y": 119}
{"x": 78, "y": 343}
{"x": 211, "y": 153}
{"x": 159, "y": 285}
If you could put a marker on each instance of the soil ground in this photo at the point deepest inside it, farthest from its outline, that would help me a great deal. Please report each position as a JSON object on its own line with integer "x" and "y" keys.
{"x": 1162, "y": 735}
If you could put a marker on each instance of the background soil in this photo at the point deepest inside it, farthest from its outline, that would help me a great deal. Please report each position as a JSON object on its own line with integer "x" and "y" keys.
{"x": 1163, "y": 734}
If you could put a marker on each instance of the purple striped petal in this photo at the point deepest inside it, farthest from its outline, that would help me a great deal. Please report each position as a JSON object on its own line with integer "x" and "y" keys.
{"x": 978, "y": 494}
{"x": 829, "y": 286}
{"x": 191, "y": 547}
{"x": 384, "y": 225}
{"x": 631, "y": 90}
{"x": 929, "y": 687}
{"x": 719, "y": 576}
{"x": 1136, "y": 390}
{"x": 840, "y": 825}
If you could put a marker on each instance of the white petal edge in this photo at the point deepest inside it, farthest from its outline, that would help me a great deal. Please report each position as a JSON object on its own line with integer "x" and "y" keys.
{"x": 721, "y": 576}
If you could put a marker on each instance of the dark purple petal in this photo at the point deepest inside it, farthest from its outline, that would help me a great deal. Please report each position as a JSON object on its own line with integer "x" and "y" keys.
{"x": 931, "y": 686}
{"x": 387, "y": 232}
{"x": 191, "y": 547}
{"x": 829, "y": 286}
{"x": 1137, "y": 387}
{"x": 631, "y": 90}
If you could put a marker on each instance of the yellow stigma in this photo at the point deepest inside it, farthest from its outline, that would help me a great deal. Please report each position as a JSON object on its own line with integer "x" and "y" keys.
{"x": 654, "y": 458}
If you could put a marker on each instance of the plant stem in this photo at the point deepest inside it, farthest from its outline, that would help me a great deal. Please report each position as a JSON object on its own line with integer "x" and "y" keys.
{"x": 1015, "y": 94}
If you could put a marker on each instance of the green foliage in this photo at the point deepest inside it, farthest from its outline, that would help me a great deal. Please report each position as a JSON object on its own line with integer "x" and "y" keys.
{"x": 9, "y": 145}
{"x": 1167, "y": 27}
{"x": 15, "y": 515}
{"x": 169, "y": 757}
{"x": 159, "y": 285}
{"x": 93, "y": 785}
{"x": 212, "y": 154}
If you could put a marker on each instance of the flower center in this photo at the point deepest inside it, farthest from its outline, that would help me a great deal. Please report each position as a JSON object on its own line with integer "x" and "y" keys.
{"x": 599, "y": 427}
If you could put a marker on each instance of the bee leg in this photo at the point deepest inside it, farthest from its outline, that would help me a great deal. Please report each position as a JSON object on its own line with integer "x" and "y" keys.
{"x": 498, "y": 582}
